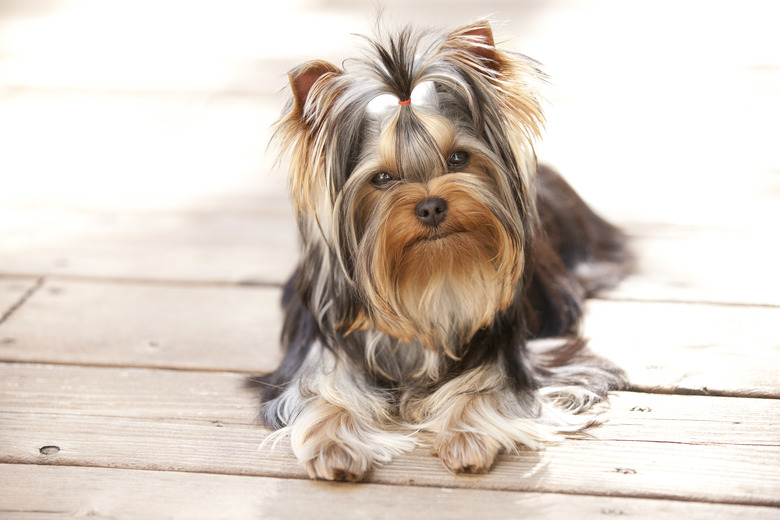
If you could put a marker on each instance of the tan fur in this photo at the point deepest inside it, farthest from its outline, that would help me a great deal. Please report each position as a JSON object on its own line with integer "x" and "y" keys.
{"x": 388, "y": 307}
{"x": 514, "y": 80}
{"x": 413, "y": 273}
{"x": 443, "y": 285}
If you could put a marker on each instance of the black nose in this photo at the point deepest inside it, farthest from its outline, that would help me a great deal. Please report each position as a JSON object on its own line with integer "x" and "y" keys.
{"x": 431, "y": 212}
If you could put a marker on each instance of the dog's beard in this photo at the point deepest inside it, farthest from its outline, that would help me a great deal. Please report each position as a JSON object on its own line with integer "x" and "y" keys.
{"x": 366, "y": 146}
{"x": 438, "y": 285}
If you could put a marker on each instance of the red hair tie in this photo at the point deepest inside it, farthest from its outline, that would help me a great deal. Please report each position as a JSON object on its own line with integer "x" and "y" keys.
{"x": 407, "y": 102}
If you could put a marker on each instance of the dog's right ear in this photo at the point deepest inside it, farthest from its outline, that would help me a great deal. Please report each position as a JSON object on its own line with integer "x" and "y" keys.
{"x": 314, "y": 91}
{"x": 305, "y": 77}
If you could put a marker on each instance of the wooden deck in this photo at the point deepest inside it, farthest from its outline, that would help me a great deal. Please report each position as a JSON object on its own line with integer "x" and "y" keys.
{"x": 144, "y": 235}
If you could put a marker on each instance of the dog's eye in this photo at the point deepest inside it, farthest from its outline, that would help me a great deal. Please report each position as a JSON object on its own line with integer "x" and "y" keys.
{"x": 458, "y": 159}
{"x": 382, "y": 180}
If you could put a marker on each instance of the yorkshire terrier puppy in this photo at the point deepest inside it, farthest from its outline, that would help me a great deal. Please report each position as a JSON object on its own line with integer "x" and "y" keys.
{"x": 439, "y": 293}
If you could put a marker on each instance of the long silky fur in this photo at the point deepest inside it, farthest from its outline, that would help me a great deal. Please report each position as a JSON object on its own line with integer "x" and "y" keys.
{"x": 472, "y": 354}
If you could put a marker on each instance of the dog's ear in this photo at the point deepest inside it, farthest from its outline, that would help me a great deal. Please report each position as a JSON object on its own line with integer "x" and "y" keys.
{"x": 303, "y": 78}
{"x": 477, "y": 40}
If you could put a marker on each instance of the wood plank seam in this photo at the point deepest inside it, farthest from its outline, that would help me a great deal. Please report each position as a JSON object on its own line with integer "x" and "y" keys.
{"x": 678, "y": 443}
{"x": 249, "y": 374}
{"x": 705, "y": 392}
{"x": 610, "y": 298}
{"x": 135, "y": 280}
{"x": 22, "y": 299}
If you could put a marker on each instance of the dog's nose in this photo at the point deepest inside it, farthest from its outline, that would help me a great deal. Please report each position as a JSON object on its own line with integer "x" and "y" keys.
{"x": 431, "y": 212}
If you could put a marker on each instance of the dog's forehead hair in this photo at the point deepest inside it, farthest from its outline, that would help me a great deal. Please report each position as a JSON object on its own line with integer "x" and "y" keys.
{"x": 414, "y": 144}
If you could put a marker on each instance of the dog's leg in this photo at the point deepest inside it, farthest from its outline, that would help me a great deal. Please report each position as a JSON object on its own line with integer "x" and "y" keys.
{"x": 339, "y": 425}
{"x": 475, "y": 416}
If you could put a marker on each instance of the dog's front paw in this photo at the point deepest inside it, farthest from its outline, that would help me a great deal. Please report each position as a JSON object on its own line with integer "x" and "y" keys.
{"x": 466, "y": 452}
{"x": 336, "y": 461}
{"x": 335, "y": 444}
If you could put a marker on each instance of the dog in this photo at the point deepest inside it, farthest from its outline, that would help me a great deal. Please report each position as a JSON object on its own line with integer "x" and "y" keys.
{"x": 439, "y": 293}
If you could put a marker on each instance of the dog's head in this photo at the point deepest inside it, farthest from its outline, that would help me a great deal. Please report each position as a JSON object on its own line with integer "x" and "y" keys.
{"x": 412, "y": 171}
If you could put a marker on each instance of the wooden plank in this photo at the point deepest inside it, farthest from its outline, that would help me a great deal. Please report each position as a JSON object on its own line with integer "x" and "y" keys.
{"x": 690, "y": 419}
{"x": 260, "y": 244}
{"x": 257, "y": 241}
{"x": 690, "y": 348}
{"x": 671, "y": 447}
{"x": 664, "y": 347}
{"x": 703, "y": 265}
{"x": 191, "y": 327}
{"x": 213, "y": 397}
{"x": 112, "y": 493}
{"x": 224, "y": 398}
{"x": 742, "y": 474}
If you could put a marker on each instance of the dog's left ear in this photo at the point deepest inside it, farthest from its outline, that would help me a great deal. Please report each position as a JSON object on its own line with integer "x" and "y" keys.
{"x": 477, "y": 40}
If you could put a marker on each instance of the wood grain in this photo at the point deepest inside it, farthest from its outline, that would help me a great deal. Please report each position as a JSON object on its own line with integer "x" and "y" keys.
{"x": 690, "y": 348}
{"x": 113, "y": 493}
{"x": 703, "y": 265}
{"x": 664, "y": 347}
{"x": 190, "y": 327}
{"x": 224, "y": 398}
{"x": 217, "y": 397}
{"x": 141, "y": 192}
{"x": 677, "y": 447}
{"x": 741, "y": 474}
{"x": 258, "y": 242}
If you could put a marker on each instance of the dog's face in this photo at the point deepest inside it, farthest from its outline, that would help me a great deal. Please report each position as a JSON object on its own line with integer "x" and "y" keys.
{"x": 414, "y": 170}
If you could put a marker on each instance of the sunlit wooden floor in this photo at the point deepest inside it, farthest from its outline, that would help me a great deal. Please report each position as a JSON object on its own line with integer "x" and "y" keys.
{"x": 144, "y": 235}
